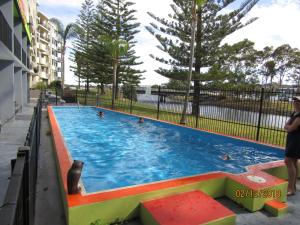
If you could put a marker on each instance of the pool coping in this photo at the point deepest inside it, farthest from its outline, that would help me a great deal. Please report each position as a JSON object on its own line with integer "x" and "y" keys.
{"x": 64, "y": 163}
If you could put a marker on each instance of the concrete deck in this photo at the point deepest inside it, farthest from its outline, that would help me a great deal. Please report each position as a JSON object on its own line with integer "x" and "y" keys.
{"x": 49, "y": 206}
{"x": 12, "y": 136}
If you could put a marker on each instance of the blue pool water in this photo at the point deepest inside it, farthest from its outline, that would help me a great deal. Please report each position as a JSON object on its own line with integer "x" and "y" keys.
{"x": 120, "y": 152}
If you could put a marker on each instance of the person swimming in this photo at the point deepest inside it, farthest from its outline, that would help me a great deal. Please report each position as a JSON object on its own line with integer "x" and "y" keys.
{"x": 141, "y": 120}
{"x": 225, "y": 157}
{"x": 101, "y": 114}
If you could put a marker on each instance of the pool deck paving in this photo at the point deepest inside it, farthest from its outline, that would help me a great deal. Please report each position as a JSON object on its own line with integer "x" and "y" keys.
{"x": 12, "y": 136}
{"x": 49, "y": 207}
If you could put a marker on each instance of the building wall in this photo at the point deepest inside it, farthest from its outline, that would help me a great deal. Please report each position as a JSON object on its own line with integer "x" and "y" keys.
{"x": 14, "y": 41}
{"x": 45, "y": 51}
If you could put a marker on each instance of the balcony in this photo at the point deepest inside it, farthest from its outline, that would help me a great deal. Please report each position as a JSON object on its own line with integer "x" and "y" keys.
{"x": 5, "y": 32}
{"x": 44, "y": 26}
{"x": 43, "y": 47}
{"x": 43, "y": 75}
{"x": 42, "y": 61}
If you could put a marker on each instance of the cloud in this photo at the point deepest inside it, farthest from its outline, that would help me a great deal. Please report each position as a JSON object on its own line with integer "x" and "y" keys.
{"x": 277, "y": 25}
{"x": 65, "y": 3}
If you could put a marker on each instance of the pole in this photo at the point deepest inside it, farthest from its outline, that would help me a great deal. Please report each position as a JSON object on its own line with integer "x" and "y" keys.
{"x": 197, "y": 111}
{"x": 56, "y": 96}
{"x": 98, "y": 91}
{"x": 260, "y": 112}
{"x": 131, "y": 95}
{"x": 158, "y": 103}
{"x": 85, "y": 93}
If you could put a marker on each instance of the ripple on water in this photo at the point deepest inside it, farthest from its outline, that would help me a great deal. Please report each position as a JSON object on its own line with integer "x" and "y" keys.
{"x": 119, "y": 152}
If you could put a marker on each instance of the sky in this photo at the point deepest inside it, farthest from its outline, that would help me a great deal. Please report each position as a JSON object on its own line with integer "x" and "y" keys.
{"x": 278, "y": 24}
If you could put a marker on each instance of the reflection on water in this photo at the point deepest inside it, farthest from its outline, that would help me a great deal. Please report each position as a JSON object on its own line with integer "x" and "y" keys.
{"x": 215, "y": 112}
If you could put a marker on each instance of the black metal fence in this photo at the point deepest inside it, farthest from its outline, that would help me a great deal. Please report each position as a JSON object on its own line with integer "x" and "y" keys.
{"x": 5, "y": 32}
{"x": 19, "y": 202}
{"x": 252, "y": 114}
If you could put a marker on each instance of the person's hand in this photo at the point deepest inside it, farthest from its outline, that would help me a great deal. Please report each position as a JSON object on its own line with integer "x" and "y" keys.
{"x": 293, "y": 126}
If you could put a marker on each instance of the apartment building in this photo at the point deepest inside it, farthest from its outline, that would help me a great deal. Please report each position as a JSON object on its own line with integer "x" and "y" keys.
{"x": 45, "y": 52}
{"x": 15, "y": 37}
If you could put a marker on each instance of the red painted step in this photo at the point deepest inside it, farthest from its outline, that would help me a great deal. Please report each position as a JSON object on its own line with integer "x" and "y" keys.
{"x": 189, "y": 208}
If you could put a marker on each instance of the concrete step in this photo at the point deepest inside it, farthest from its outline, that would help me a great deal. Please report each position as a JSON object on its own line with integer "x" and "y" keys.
{"x": 276, "y": 207}
{"x": 189, "y": 208}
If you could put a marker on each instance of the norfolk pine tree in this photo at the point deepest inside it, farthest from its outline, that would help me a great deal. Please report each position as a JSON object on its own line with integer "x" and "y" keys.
{"x": 174, "y": 37}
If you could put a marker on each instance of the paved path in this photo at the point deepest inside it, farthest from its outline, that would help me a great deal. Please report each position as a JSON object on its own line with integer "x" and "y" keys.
{"x": 12, "y": 136}
{"x": 49, "y": 208}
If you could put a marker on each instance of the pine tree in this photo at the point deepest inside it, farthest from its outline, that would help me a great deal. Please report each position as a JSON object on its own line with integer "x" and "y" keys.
{"x": 116, "y": 20}
{"x": 174, "y": 36}
{"x": 83, "y": 43}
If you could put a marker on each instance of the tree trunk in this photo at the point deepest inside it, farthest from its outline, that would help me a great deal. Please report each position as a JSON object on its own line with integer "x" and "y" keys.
{"x": 102, "y": 89}
{"x": 114, "y": 84}
{"x": 88, "y": 85}
{"x": 198, "y": 62}
{"x": 186, "y": 99}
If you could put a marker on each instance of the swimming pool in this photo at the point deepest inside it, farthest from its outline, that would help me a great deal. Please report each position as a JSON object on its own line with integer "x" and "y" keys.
{"x": 120, "y": 152}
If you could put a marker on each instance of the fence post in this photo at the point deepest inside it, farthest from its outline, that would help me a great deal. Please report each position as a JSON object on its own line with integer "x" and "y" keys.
{"x": 97, "y": 95}
{"x": 23, "y": 151}
{"x": 76, "y": 95}
{"x": 197, "y": 110}
{"x": 131, "y": 95}
{"x": 56, "y": 96}
{"x": 259, "y": 113}
{"x": 158, "y": 103}
{"x": 85, "y": 93}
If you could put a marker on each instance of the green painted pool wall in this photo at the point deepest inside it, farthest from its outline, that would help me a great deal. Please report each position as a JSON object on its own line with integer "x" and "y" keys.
{"x": 276, "y": 212}
{"x": 250, "y": 202}
{"x": 280, "y": 172}
{"x": 129, "y": 207}
{"x": 229, "y": 220}
{"x": 146, "y": 217}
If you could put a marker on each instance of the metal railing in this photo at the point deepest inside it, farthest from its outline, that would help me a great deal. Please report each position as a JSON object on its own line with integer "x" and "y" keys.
{"x": 258, "y": 114}
{"x": 19, "y": 202}
{"x": 5, "y": 32}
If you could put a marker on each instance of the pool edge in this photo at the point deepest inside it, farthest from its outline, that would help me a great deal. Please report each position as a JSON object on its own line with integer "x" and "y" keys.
{"x": 72, "y": 202}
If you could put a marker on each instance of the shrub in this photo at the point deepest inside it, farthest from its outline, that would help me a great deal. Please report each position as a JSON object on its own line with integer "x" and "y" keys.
{"x": 40, "y": 85}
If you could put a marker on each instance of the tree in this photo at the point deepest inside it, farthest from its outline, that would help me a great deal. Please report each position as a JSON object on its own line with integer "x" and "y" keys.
{"x": 116, "y": 21}
{"x": 295, "y": 63}
{"x": 175, "y": 84}
{"x": 235, "y": 65}
{"x": 283, "y": 61}
{"x": 192, "y": 54}
{"x": 212, "y": 27}
{"x": 66, "y": 33}
{"x": 117, "y": 48}
{"x": 83, "y": 42}
{"x": 270, "y": 70}
{"x": 265, "y": 70}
